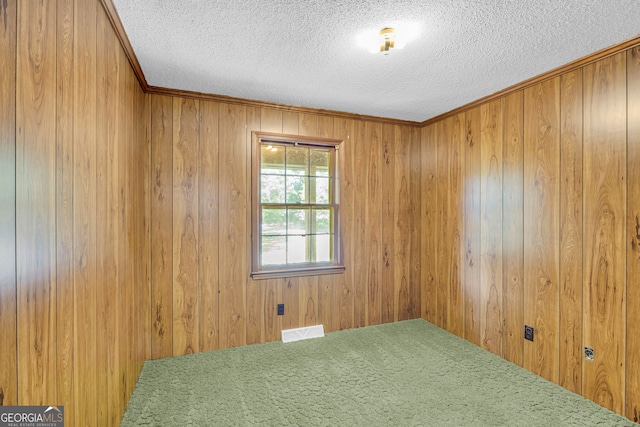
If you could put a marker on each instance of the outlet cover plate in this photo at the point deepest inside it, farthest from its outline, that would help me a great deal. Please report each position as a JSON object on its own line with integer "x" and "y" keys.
{"x": 528, "y": 332}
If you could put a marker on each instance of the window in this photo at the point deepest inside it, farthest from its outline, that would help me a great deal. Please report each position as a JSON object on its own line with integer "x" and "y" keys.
{"x": 295, "y": 209}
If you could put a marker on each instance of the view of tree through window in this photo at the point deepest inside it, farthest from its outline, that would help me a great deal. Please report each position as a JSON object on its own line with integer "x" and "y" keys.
{"x": 296, "y": 205}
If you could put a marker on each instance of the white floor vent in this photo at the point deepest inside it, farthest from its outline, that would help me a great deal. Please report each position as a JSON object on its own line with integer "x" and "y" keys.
{"x": 308, "y": 332}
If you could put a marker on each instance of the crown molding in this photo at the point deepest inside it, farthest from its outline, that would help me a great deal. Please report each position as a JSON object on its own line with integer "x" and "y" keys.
{"x": 155, "y": 90}
{"x": 116, "y": 23}
{"x": 571, "y": 66}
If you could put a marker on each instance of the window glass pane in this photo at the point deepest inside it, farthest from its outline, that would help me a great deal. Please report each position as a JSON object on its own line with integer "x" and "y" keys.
{"x": 298, "y": 221}
{"x": 297, "y": 249}
{"x": 319, "y": 163}
{"x": 297, "y": 189}
{"x": 321, "y": 221}
{"x": 319, "y": 190}
{"x": 297, "y": 161}
{"x": 272, "y": 159}
{"x": 274, "y": 221}
{"x": 274, "y": 250}
{"x": 272, "y": 189}
{"x": 322, "y": 247}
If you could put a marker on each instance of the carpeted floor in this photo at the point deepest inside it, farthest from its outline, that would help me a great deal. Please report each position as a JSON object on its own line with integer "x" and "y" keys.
{"x": 400, "y": 374}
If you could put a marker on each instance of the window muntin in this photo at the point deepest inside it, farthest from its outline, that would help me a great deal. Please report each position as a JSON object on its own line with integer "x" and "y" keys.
{"x": 296, "y": 207}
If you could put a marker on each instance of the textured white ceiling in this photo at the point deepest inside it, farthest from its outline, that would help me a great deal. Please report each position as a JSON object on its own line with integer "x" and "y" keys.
{"x": 305, "y": 53}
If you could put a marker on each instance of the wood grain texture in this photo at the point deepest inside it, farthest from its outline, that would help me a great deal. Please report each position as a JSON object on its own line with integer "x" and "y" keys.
{"x": 429, "y": 218}
{"x": 401, "y": 222}
{"x": 605, "y": 217}
{"x": 541, "y": 233}
{"x": 570, "y": 322}
{"x": 415, "y": 225}
{"x": 328, "y": 311}
{"x": 455, "y": 253}
{"x": 64, "y": 206}
{"x": 359, "y": 224}
{"x": 389, "y": 258}
{"x": 308, "y": 301}
{"x": 491, "y": 310}
{"x": 208, "y": 213}
{"x": 8, "y": 291}
{"x": 472, "y": 227}
{"x": 186, "y": 152}
{"x": 443, "y": 227}
{"x": 84, "y": 196}
{"x": 162, "y": 226}
{"x": 512, "y": 227}
{"x": 632, "y": 410}
{"x": 232, "y": 261}
{"x": 373, "y": 222}
{"x": 291, "y": 301}
{"x": 106, "y": 211}
{"x": 344, "y": 287}
{"x": 35, "y": 202}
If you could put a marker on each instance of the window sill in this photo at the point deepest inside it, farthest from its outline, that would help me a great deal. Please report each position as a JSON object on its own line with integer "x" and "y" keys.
{"x": 306, "y": 271}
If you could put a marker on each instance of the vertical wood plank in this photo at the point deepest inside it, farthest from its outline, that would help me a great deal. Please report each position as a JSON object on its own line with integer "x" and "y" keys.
{"x": 84, "y": 206}
{"x": 271, "y": 324}
{"x": 344, "y": 285}
{"x": 443, "y": 228}
{"x": 35, "y": 202}
{"x": 162, "y": 226}
{"x": 271, "y": 290}
{"x": 429, "y": 217}
{"x": 541, "y": 236}
{"x": 472, "y": 227}
{"x": 308, "y": 302}
{"x": 64, "y": 206}
{"x": 373, "y": 221}
{"x": 271, "y": 120}
{"x": 254, "y": 293}
{"x": 291, "y": 301}
{"x": 388, "y": 284}
{"x": 401, "y": 222}
{"x": 361, "y": 174}
{"x": 208, "y": 212}
{"x": 570, "y": 322}
{"x": 633, "y": 230}
{"x": 455, "y": 303}
{"x": 290, "y": 122}
{"x": 233, "y": 199}
{"x": 605, "y": 230}
{"x": 126, "y": 177}
{"x": 491, "y": 310}
{"x": 415, "y": 224}
{"x": 512, "y": 227}
{"x": 328, "y": 313}
{"x": 8, "y": 291}
{"x": 186, "y": 310}
{"x": 107, "y": 236}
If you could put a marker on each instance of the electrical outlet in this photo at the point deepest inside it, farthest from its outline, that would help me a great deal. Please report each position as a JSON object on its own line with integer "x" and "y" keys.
{"x": 589, "y": 354}
{"x": 280, "y": 309}
{"x": 528, "y": 332}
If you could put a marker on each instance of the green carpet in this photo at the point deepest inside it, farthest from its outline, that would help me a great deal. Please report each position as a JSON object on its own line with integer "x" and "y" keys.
{"x": 401, "y": 374}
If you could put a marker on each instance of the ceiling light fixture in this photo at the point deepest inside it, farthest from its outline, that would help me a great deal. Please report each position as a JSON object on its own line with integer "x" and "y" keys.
{"x": 387, "y": 40}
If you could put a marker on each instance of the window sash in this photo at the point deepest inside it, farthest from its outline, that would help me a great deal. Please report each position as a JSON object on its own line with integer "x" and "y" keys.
{"x": 311, "y": 265}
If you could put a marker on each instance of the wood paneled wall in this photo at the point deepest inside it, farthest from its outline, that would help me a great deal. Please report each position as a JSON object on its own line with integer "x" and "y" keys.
{"x": 530, "y": 215}
{"x": 202, "y": 295}
{"x": 74, "y": 229}
{"x": 124, "y": 226}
